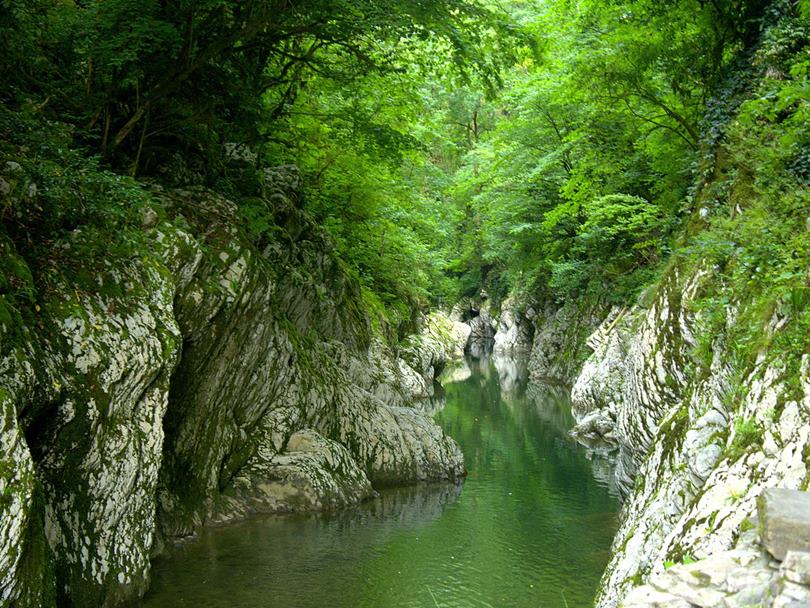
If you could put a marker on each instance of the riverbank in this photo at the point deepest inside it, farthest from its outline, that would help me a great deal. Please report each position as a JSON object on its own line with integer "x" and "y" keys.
{"x": 530, "y": 525}
{"x": 205, "y": 379}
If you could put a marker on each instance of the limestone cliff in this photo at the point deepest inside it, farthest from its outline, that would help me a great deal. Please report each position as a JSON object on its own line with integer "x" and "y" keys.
{"x": 697, "y": 443}
{"x": 696, "y": 433}
{"x": 207, "y": 379}
{"x": 552, "y": 337}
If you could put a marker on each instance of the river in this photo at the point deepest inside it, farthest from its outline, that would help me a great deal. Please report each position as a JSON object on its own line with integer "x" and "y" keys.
{"x": 530, "y": 527}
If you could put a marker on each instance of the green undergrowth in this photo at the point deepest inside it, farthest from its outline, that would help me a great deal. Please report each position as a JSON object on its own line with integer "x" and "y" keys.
{"x": 756, "y": 235}
{"x": 62, "y": 217}
{"x": 747, "y": 434}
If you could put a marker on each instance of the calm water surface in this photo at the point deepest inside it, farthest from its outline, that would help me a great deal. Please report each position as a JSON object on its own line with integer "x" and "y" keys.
{"x": 530, "y": 527}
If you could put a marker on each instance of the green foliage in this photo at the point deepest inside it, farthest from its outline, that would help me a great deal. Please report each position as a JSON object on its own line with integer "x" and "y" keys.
{"x": 61, "y": 206}
{"x": 611, "y": 109}
{"x": 747, "y": 433}
{"x": 61, "y": 215}
{"x": 687, "y": 559}
{"x": 574, "y": 179}
{"x": 143, "y": 80}
{"x": 755, "y": 232}
{"x": 157, "y": 89}
{"x": 582, "y": 185}
{"x": 617, "y": 235}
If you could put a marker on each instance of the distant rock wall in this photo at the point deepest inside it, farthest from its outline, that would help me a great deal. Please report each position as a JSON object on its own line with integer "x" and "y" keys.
{"x": 476, "y": 314}
{"x": 515, "y": 328}
{"x": 558, "y": 347}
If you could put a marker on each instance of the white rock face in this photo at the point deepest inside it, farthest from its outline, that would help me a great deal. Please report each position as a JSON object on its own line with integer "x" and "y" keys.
{"x": 515, "y": 330}
{"x": 17, "y": 487}
{"x": 475, "y": 313}
{"x": 691, "y": 481}
{"x": 425, "y": 355}
{"x": 211, "y": 382}
{"x": 82, "y": 430}
{"x": 738, "y": 578}
{"x": 310, "y": 473}
{"x": 558, "y": 345}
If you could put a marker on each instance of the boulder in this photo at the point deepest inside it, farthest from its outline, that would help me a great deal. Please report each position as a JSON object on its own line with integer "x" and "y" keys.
{"x": 312, "y": 473}
{"x": 784, "y": 517}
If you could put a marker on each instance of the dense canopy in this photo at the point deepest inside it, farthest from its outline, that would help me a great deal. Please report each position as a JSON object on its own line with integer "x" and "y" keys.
{"x": 559, "y": 149}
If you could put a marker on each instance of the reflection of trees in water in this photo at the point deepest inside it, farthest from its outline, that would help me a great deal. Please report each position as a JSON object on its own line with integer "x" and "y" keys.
{"x": 278, "y": 560}
{"x": 552, "y": 404}
{"x": 530, "y": 488}
{"x": 457, "y": 371}
{"x": 395, "y": 509}
{"x": 525, "y": 413}
{"x": 311, "y": 534}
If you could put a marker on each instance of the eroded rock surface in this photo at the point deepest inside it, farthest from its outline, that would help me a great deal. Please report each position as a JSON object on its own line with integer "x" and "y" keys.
{"x": 476, "y": 314}
{"x": 213, "y": 378}
{"x": 558, "y": 347}
{"x": 694, "y": 450}
{"x": 515, "y": 330}
{"x": 746, "y": 576}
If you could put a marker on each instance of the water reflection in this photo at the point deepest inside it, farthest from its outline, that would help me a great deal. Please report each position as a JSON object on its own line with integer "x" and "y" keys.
{"x": 512, "y": 375}
{"x": 531, "y": 527}
{"x": 293, "y": 560}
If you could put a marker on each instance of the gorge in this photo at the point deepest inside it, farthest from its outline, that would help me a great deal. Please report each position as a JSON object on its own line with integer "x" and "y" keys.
{"x": 452, "y": 303}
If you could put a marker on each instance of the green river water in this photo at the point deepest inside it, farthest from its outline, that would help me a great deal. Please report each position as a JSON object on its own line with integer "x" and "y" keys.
{"x": 530, "y": 527}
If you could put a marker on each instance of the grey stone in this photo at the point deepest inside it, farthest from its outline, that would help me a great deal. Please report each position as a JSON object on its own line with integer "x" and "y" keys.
{"x": 791, "y": 595}
{"x": 482, "y": 332}
{"x": 13, "y": 167}
{"x": 558, "y": 344}
{"x": 312, "y": 473}
{"x": 648, "y": 596}
{"x": 149, "y": 218}
{"x": 796, "y": 567}
{"x": 752, "y": 596}
{"x": 785, "y": 521}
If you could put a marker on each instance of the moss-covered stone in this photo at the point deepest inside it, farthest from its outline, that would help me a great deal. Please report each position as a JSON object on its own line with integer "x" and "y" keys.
{"x": 198, "y": 381}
